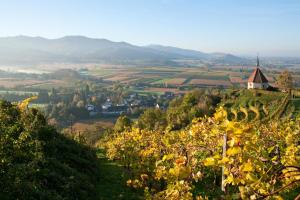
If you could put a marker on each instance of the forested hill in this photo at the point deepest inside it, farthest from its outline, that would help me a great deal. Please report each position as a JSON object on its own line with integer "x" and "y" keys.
{"x": 37, "y": 162}
{"x": 24, "y": 50}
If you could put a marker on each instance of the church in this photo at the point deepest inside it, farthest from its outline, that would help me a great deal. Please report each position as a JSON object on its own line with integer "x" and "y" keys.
{"x": 257, "y": 80}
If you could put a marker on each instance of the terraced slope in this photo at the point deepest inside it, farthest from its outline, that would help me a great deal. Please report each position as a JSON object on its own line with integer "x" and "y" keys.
{"x": 250, "y": 105}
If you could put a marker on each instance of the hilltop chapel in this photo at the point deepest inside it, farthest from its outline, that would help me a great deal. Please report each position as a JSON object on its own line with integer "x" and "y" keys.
{"x": 257, "y": 80}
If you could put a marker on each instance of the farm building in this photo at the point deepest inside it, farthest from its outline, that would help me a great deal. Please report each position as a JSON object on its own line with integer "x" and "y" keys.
{"x": 257, "y": 80}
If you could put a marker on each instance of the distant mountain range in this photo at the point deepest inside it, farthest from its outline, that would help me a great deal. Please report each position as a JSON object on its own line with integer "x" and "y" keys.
{"x": 79, "y": 49}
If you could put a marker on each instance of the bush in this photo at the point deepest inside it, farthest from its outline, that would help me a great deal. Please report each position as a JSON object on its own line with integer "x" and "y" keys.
{"x": 37, "y": 162}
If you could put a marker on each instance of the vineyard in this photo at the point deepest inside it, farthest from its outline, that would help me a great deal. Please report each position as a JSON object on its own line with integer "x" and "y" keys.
{"x": 261, "y": 105}
{"x": 241, "y": 152}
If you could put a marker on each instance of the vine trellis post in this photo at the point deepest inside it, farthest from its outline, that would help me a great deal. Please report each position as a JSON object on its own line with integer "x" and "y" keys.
{"x": 223, "y": 188}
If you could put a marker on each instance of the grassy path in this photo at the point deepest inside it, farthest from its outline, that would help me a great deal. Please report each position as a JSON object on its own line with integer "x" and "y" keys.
{"x": 112, "y": 183}
{"x": 296, "y": 103}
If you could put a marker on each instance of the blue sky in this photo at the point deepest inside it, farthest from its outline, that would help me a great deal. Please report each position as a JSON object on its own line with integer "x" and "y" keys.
{"x": 244, "y": 27}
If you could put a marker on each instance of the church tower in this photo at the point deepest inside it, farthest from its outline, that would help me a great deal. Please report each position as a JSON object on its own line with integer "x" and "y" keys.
{"x": 257, "y": 80}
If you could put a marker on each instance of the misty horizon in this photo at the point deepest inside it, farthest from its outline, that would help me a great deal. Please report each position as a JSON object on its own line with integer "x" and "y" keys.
{"x": 235, "y": 27}
{"x": 249, "y": 55}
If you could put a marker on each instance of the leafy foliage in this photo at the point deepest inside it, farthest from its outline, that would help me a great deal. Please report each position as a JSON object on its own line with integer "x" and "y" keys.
{"x": 122, "y": 123}
{"x": 182, "y": 111}
{"x": 261, "y": 161}
{"x": 39, "y": 163}
{"x": 152, "y": 119}
{"x": 285, "y": 81}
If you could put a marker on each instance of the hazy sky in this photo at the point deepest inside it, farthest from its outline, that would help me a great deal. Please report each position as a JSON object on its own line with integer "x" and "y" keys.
{"x": 271, "y": 27}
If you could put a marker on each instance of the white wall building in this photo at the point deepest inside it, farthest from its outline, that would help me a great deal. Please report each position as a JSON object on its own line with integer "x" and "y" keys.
{"x": 257, "y": 80}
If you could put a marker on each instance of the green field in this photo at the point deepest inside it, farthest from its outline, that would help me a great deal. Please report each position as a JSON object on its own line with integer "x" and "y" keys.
{"x": 50, "y": 85}
{"x": 216, "y": 76}
{"x": 145, "y": 93}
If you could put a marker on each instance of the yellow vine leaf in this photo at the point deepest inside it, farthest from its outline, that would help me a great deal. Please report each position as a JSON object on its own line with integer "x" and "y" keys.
{"x": 224, "y": 160}
{"x": 251, "y": 177}
{"x": 277, "y": 197}
{"x": 24, "y": 104}
{"x": 209, "y": 161}
{"x": 168, "y": 157}
{"x": 221, "y": 114}
{"x": 229, "y": 179}
{"x": 233, "y": 141}
{"x": 233, "y": 151}
{"x": 247, "y": 167}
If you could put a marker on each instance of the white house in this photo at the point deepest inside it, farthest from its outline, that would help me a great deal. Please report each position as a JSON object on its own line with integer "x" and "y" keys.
{"x": 257, "y": 80}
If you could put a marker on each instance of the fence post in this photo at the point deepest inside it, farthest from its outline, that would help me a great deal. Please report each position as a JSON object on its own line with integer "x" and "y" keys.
{"x": 223, "y": 188}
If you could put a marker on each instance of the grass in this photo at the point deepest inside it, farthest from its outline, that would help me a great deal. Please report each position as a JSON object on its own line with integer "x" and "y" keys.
{"x": 117, "y": 78}
{"x": 101, "y": 72}
{"x": 296, "y": 103}
{"x": 205, "y": 75}
{"x": 161, "y": 81}
{"x": 209, "y": 82}
{"x": 144, "y": 92}
{"x": 171, "y": 81}
{"x": 262, "y": 96}
{"x": 113, "y": 179}
{"x": 48, "y": 85}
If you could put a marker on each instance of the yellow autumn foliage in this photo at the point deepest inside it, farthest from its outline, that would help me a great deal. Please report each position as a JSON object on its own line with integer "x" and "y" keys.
{"x": 257, "y": 163}
{"x": 24, "y": 104}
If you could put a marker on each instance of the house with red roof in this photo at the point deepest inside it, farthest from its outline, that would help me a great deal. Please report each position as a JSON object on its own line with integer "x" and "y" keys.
{"x": 257, "y": 80}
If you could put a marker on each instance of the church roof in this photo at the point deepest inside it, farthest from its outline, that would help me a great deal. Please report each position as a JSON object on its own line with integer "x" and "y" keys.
{"x": 257, "y": 77}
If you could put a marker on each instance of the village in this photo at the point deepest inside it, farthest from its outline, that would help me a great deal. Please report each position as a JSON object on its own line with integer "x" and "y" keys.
{"x": 134, "y": 101}
{"x": 131, "y": 104}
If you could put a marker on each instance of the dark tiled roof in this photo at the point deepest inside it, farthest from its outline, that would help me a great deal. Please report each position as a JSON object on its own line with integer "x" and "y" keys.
{"x": 257, "y": 77}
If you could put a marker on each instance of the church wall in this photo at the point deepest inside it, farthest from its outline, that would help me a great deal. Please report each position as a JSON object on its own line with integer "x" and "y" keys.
{"x": 252, "y": 85}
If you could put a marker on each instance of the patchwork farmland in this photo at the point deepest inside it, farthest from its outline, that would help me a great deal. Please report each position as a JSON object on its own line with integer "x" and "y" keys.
{"x": 174, "y": 76}
{"x": 149, "y": 79}
{"x": 208, "y": 82}
{"x": 156, "y": 78}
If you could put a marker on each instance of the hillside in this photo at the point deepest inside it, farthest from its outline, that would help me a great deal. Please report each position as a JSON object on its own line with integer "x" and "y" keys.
{"x": 246, "y": 148}
{"x": 37, "y": 162}
{"x": 262, "y": 105}
{"x": 79, "y": 49}
{"x": 162, "y": 154}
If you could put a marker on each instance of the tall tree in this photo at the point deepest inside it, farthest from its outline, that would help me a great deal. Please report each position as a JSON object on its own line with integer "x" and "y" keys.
{"x": 152, "y": 119}
{"x": 122, "y": 123}
{"x": 285, "y": 81}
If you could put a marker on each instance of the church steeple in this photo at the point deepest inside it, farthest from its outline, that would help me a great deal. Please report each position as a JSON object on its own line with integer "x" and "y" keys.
{"x": 257, "y": 80}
